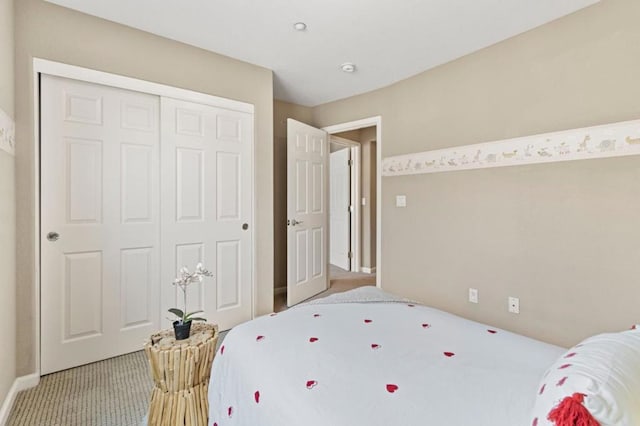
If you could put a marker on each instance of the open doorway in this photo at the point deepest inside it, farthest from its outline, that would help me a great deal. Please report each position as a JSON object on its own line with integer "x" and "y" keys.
{"x": 309, "y": 272}
{"x": 353, "y": 199}
{"x": 344, "y": 189}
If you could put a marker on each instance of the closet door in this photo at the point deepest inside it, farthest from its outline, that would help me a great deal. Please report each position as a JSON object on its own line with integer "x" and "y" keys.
{"x": 100, "y": 222}
{"x": 207, "y": 163}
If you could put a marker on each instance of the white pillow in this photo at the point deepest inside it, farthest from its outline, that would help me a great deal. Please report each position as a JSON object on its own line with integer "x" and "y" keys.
{"x": 606, "y": 369}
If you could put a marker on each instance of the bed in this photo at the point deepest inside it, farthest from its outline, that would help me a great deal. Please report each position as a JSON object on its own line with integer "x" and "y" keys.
{"x": 365, "y": 357}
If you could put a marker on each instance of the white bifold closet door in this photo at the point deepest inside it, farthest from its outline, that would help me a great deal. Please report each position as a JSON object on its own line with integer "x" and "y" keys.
{"x": 133, "y": 187}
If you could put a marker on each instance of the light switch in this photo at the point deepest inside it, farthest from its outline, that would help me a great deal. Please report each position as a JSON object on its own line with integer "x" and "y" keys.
{"x": 473, "y": 295}
{"x": 401, "y": 201}
{"x": 364, "y": 201}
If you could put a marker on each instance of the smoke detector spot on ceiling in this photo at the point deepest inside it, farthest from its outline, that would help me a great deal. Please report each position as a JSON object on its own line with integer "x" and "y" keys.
{"x": 348, "y": 67}
{"x": 300, "y": 26}
{"x": 274, "y": 35}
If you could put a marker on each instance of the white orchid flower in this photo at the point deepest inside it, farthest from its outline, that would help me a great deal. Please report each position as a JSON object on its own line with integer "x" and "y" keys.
{"x": 183, "y": 280}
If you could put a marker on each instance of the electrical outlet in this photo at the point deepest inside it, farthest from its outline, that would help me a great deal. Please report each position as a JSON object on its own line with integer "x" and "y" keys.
{"x": 473, "y": 295}
{"x": 514, "y": 305}
{"x": 401, "y": 201}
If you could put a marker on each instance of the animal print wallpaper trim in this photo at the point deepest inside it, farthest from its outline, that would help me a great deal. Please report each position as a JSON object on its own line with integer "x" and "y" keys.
{"x": 612, "y": 140}
{"x": 7, "y": 133}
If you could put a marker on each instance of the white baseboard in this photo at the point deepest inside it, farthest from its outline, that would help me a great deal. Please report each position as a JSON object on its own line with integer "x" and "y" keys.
{"x": 368, "y": 270}
{"x": 19, "y": 384}
{"x": 279, "y": 290}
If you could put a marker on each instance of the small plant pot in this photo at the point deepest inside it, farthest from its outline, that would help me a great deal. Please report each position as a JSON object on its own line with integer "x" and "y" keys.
{"x": 182, "y": 331}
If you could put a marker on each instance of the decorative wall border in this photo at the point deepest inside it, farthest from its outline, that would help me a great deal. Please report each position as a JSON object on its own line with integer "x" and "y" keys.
{"x": 7, "y": 133}
{"x": 611, "y": 140}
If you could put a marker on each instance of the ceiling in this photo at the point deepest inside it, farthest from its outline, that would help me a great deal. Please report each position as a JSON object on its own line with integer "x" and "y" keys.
{"x": 387, "y": 40}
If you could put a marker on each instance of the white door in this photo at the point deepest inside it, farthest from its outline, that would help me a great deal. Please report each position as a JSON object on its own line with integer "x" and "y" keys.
{"x": 207, "y": 192}
{"x": 340, "y": 208}
{"x": 100, "y": 222}
{"x": 307, "y": 211}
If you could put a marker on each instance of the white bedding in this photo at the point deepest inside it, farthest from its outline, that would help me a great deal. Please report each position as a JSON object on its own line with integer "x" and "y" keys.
{"x": 375, "y": 360}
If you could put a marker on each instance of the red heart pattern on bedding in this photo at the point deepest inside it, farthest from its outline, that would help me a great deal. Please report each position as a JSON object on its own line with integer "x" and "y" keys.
{"x": 391, "y": 388}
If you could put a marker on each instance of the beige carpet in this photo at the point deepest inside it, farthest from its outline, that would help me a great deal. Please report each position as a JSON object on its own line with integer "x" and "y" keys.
{"x": 340, "y": 281}
{"x": 106, "y": 393}
{"x": 113, "y": 392}
{"x": 340, "y": 276}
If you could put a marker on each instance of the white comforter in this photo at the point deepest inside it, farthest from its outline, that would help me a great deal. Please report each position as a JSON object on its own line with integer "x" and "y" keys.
{"x": 380, "y": 361}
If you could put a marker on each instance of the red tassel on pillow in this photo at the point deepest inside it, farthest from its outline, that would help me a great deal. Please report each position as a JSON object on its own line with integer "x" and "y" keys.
{"x": 571, "y": 412}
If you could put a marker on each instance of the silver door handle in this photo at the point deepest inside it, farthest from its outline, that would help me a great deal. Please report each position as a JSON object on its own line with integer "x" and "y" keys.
{"x": 53, "y": 236}
{"x": 293, "y": 222}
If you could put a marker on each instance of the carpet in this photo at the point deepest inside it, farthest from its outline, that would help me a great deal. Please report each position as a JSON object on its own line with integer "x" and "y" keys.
{"x": 340, "y": 276}
{"x": 113, "y": 392}
{"x": 340, "y": 281}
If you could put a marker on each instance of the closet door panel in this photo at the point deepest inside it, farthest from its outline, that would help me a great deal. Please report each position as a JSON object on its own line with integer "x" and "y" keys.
{"x": 100, "y": 221}
{"x": 207, "y": 162}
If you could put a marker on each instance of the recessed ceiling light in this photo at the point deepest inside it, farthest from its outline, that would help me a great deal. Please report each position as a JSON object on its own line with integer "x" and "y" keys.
{"x": 300, "y": 26}
{"x": 348, "y": 67}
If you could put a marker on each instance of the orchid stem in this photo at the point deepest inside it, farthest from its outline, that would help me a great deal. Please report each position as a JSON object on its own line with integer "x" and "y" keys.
{"x": 184, "y": 313}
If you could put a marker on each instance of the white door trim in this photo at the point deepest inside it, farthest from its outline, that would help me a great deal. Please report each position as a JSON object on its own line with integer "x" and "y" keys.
{"x": 359, "y": 124}
{"x": 43, "y": 66}
{"x": 356, "y": 157}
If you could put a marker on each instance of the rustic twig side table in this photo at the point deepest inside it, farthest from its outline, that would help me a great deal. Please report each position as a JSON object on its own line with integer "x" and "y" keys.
{"x": 180, "y": 370}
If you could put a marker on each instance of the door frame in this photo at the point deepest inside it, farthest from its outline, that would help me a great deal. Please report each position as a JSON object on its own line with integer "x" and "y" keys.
{"x": 59, "y": 69}
{"x": 355, "y": 125}
{"x": 355, "y": 230}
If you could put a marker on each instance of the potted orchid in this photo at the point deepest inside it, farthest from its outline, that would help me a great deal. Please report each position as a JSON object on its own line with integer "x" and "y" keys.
{"x": 182, "y": 326}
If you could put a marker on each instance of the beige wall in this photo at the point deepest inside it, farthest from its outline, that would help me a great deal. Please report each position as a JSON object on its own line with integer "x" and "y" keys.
{"x": 7, "y": 209}
{"x": 282, "y": 111}
{"x": 6, "y": 56}
{"x": 564, "y": 236}
{"x": 48, "y": 31}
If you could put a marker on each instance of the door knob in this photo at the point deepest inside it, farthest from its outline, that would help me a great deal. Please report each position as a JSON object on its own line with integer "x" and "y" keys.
{"x": 294, "y": 222}
{"x": 245, "y": 226}
{"x": 53, "y": 236}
